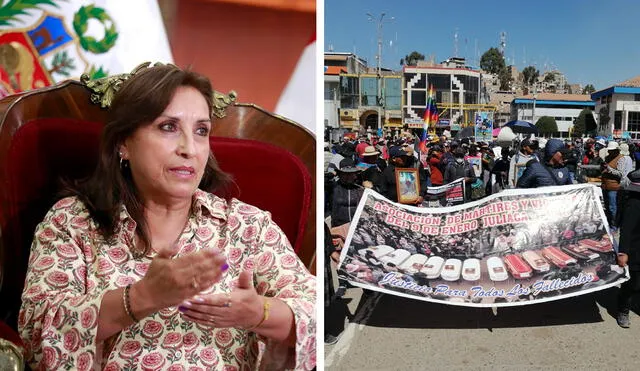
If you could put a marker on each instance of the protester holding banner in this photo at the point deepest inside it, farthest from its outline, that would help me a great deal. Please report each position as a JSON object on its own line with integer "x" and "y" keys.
{"x": 399, "y": 158}
{"x": 629, "y": 247}
{"x": 458, "y": 169}
{"x": 552, "y": 172}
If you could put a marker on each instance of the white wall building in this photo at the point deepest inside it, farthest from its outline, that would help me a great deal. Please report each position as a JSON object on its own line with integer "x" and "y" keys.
{"x": 618, "y": 108}
{"x": 564, "y": 108}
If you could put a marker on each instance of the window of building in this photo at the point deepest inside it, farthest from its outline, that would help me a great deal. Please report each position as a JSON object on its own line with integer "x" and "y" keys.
{"x": 636, "y": 97}
{"x": 369, "y": 91}
{"x": 392, "y": 97}
{"x": 439, "y": 81}
{"x": 617, "y": 120}
{"x": 329, "y": 90}
{"x": 418, "y": 98}
{"x": 349, "y": 92}
{"x": 634, "y": 121}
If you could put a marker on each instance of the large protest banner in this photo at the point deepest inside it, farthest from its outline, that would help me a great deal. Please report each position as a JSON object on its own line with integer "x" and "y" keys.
{"x": 516, "y": 247}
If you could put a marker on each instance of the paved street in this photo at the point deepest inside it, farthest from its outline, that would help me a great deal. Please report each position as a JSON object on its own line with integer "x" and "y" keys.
{"x": 393, "y": 333}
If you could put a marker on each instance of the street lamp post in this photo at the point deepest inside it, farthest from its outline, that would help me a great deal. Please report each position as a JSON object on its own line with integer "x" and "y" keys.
{"x": 379, "y": 96}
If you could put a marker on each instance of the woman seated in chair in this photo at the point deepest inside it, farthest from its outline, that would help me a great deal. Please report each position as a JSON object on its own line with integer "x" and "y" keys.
{"x": 142, "y": 265}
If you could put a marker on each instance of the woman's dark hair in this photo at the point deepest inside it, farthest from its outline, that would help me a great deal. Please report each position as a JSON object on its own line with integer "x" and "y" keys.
{"x": 141, "y": 99}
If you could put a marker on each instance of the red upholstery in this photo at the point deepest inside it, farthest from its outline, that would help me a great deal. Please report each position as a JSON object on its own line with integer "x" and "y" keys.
{"x": 46, "y": 150}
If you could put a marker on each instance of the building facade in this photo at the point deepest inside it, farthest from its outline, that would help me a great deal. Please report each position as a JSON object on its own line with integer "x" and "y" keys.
{"x": 458, "y": 95}
{"x": 618, "y": 109}
{"x": 334, "y": 65}
{"x": 564, "y": 108}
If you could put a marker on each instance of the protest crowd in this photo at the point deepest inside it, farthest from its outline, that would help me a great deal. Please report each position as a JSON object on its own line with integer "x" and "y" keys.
{"x": 519, "y": 161}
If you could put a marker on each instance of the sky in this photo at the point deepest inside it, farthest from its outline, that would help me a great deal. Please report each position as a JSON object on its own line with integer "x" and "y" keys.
{"x": 591, "y": 42}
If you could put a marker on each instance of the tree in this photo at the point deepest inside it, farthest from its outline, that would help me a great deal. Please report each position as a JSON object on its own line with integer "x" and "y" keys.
{"x": 589, "y": 89}
{"x": 492, "y": 61}
{"x": 530, "y": 75}
{"x": 550, "y": 77}
{"x": 547, "y": 125}
{"x": 584, "y": 123}
{"x": 412, "y": 59}
{"x": 505, "y": 79}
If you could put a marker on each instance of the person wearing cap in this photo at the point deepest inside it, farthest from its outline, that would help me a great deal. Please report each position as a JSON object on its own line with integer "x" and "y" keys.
{"x": 600, "y": 147}
{"x": 346, "y": 193}
{"x": 616, "y": 167}
{"x": 629, "y": 247}
{"x": 551, "y": 172}
{"x": 398, "y": 158}
{"x": 522, "y": 157}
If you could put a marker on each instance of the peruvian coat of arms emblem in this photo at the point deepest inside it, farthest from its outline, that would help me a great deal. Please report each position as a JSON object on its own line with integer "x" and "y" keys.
{"x": 40, "y": 47}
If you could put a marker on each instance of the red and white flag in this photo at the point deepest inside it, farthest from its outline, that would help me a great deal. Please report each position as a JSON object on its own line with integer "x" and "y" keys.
{"x": 298, "y": 99}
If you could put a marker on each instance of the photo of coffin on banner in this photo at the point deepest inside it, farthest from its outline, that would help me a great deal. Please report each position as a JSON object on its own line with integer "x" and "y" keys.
{"x": 516, "y": 247}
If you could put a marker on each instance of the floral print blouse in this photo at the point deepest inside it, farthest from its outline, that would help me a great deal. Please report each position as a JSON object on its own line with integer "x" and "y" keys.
{"x": 71, "y": 267}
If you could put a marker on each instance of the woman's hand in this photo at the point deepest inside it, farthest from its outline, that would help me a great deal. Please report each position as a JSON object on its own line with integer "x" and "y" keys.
{"x": 169, "y": 281}
{"x": 241, "y": 308}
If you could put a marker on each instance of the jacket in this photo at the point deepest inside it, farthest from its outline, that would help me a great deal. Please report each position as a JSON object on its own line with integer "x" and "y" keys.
{"x": 611, "y": 182}
{"x": 536, "y": 175}
{"x": 436, "y": 173}
{"x": 630, "y": 230}
{"x": 345, "y": 202}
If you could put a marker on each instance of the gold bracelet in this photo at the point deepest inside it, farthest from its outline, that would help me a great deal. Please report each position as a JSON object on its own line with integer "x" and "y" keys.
{"x": 127, "y": 303}
{"x": 265, "y": 314}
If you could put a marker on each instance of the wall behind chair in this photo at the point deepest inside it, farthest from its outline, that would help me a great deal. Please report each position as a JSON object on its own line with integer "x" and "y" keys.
{"x": 238, "y": 44}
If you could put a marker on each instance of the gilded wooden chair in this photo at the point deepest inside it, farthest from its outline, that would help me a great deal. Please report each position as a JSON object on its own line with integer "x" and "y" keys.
{"x": 53, "y": 133}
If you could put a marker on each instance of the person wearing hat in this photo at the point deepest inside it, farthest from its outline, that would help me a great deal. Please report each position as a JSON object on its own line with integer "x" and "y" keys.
{"x": 552, "y": 172}
{"x": 360, "y": 147}
{"x": 369, "y": 166}
{"x": 615, "y": 168}
{"x": 398, "y": 158}
{"x": 346, "y": 193}
{"x": 629, "y": 247}
{"x": 528, "y": 147}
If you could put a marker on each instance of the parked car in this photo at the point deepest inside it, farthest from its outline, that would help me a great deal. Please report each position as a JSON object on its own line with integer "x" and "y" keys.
{"x": 536, "y": 261}
{"x": 496, "y": 268}
{"x": 580, "y": 252}
{"x": 557, "y": 257}
{"x": 603, "y": 245}
{"x": 517, "y": 266}
{"x": 471, "y": 269}
{"x": 395, "y": 258}
{"x": 451, "y": 270}
{"x": 432, "y": 267}
{"x": 414, "y": 264}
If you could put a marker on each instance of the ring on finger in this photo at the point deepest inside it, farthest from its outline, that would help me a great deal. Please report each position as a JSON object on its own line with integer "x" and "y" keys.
{"x": 228, "y": 303}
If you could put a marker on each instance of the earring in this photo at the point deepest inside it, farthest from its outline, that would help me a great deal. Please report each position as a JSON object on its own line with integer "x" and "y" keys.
{"x": 122, "y": 163}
